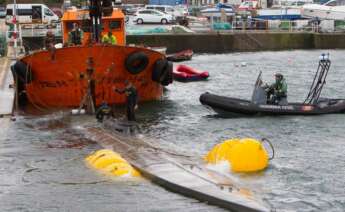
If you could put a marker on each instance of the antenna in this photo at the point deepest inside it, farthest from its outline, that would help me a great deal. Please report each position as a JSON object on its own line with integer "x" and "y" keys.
{"x": 319, "y": 79}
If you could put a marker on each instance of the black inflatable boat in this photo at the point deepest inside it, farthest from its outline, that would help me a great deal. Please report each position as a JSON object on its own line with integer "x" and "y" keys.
{"x": 226, "y": 105}
{"x": 313, "y": 104}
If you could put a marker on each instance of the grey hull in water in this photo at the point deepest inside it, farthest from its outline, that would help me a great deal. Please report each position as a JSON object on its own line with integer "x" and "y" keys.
{"x": 178, "y": 173}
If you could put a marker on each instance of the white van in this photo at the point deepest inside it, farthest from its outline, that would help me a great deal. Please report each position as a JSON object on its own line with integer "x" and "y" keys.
{"x": 31, "y": 13}
{"x": 165, "y": 8}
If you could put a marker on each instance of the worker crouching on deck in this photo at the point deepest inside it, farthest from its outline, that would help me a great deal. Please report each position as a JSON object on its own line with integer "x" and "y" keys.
{"x": 132, "y": 99}
{"x": 102, "y": 111}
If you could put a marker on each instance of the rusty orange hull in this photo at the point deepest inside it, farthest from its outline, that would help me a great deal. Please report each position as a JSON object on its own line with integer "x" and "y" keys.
{"x": 62, "y": 82}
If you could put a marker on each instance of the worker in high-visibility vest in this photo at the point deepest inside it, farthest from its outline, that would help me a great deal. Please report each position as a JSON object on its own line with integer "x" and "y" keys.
{"x": 109, "y": 38}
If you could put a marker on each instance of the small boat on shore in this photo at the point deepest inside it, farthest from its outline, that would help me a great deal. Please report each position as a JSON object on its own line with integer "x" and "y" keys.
{"x": 181, "y": 56}
{"x": 186, "y": 74}
{"x": 331, "y": 10}
{"x": 282, "y": 13}
{"x": 313, "y": 105}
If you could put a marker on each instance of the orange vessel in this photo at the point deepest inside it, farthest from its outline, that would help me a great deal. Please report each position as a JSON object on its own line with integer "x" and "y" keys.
{"x": 61, "y": 78}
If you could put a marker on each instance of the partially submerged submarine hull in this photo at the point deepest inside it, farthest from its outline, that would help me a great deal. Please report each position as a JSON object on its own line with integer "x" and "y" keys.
{"x": 178, "y": 173}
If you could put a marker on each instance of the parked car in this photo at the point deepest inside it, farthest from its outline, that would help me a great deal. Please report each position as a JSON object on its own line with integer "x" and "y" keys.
{"x": 128, "y": 9}
{"x": 167, "y": 9}
{"x": 152, "y": 16}
{"x": 2, "y": 12}
{"x": 31, "y": 13}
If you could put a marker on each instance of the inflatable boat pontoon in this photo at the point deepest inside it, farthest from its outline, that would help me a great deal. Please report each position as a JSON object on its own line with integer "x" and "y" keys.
{"x": 313, "y": 104}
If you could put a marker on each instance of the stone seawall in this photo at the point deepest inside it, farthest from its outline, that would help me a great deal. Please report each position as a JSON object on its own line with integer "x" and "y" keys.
{"x": 230, "y": 42}
{"x": 220, "y": 43}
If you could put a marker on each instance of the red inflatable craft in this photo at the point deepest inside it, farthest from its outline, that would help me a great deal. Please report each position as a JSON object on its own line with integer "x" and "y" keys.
{"x": 185, "y": 73}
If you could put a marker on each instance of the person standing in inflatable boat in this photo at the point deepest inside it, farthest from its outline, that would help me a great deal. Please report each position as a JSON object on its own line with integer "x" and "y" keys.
{"x": 277, "y": 92}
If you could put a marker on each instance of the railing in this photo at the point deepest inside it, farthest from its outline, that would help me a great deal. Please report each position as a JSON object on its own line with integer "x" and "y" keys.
{"x": 35, "y": 30}
{"x": 327, "y": 26}
{"x": 39, "y": 30}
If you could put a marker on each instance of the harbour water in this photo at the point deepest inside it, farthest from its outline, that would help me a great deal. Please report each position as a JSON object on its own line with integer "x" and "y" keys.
{"x": 41, "y": 157}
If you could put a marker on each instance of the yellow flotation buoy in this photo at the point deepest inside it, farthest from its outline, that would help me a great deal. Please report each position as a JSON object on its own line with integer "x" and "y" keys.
{"x": 221, "y": 151}
{"x": 244, "y": 155}
{"x": 110, "y": 162}
{"x": 122, "y": 168}
{"x": 99, "y": 153}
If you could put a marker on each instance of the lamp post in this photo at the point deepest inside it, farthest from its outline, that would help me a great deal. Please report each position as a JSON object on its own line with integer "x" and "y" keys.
{"x": 15, "y": 33}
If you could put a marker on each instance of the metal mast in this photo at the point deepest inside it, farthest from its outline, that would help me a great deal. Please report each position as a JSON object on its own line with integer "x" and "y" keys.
{"x": 319, "y": 80}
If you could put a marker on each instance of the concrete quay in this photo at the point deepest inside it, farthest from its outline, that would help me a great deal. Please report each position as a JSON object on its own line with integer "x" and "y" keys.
{"x": 7, "y": 90}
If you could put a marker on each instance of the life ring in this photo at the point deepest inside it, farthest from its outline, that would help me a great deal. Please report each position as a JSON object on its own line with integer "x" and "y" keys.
{"x": 136, "y": 62}
{"x": 168, "y": 79}
{"x": 159, "y": 70}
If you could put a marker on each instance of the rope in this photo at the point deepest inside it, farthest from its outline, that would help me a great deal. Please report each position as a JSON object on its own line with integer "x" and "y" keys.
{"x": 26, "y": 80}
{"x": 44, "y": 108}
{"x": 271, "y": 145}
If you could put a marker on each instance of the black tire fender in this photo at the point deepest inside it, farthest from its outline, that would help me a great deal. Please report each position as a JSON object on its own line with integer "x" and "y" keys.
{"x": 22, "y": 71}
{"x": 159, "y": 69}
{"x": 136, "y": 62}
{"x": 168, "y": 79}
